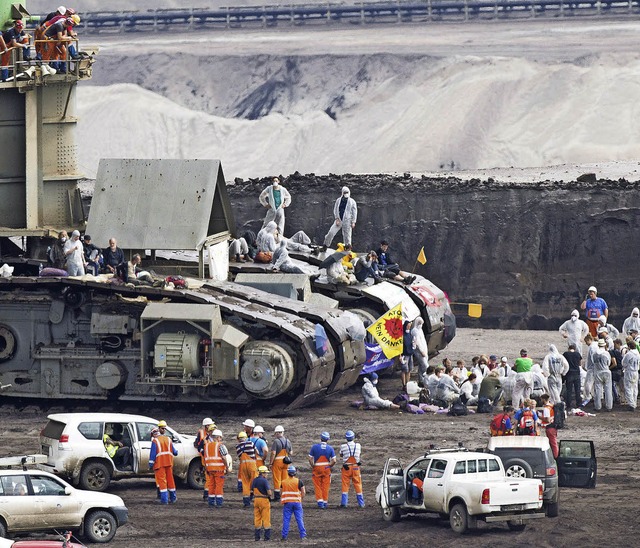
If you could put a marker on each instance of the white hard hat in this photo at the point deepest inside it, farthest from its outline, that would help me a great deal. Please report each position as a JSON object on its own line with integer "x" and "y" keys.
{"x": 216, "y": 433}
{"x": 207, "y": 421}
{"x": 279, "y": 428}
{"x": 602, "y": 319}
{"x": 249, "y": 423}
{"x": 61, "y": 10}
{"x": 258, "y": 430}
{"x": 592, "y": 288}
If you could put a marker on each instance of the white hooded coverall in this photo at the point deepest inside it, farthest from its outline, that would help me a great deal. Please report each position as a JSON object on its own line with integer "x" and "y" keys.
{"x": 345, "y": 223}
{"x": 558, "y": 367}
{"x": 575, "y": 330}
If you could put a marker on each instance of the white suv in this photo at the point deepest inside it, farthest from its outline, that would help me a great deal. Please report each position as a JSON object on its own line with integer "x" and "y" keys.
{"x": 33, "y": 500}
{"x": 73, "y": 444}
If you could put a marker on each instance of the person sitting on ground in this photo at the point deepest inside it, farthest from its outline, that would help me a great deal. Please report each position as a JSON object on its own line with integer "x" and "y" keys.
{"x": 250, "y": 238}
{"x": 266, "y": 242}
{"x": 92, "y": 255}
{"x": 466, "y": 390}
{"x": 491, "y": 387}
{"x": 367, "y": 267}
{"x": 135, "y": 273}
{"x": 503, "y": 424}
{"x": 447, "y": 390}
{"x": 116, "y": 449}
{"x": 281, "y": 261}
{"x": 390, "y": 269}
{"x": 371, "y": 396}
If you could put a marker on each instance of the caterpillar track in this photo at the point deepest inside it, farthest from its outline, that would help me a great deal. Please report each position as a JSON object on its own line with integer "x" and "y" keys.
{"x": 218, "y": 342}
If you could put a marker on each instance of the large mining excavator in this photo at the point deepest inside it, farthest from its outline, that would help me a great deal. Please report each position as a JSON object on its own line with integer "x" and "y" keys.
{"x": 87, "y": 338}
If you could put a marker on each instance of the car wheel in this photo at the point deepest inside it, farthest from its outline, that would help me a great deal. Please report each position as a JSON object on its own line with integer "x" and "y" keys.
{"x": 552, "y": 509}
{"x": 513, "y": 526}
{"x": 3, "y": 529}
{"x": 391, "y": 513}
{"x": 196, "y": 477}
{"x": 95, "y": 476}
{"x": 458, "y": 518}
{"x": 100, "y": 526}
{"x": 517, "y": 468}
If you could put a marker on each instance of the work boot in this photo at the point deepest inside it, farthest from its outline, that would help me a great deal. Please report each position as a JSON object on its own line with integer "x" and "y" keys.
{"x": 276, "y": 496}
{"x": 267, "y": 534}
{"x": 239, "y": 487}
{"x": 211, "y": 499}
{"x": 173, "y": 497}
{"x": 344, "y": 500}
{"x": 257, "y": 534}
{"x": 164, "y": 497}
{"x": 219, "y": 501}
{"x": 205, "y": 494}
{"x": 320, "y": 504}
{"x": 360, "y": 500}
{"x": 246, "y": 502}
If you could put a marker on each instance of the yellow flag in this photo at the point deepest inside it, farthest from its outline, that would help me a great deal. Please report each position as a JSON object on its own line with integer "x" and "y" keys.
{"x": 387, "y": 330}
{"x": 475, "y": 310}
{"x": 422, "y": 258}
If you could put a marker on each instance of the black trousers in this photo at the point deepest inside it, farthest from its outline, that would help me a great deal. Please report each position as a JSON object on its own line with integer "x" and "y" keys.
{"x": 572, "y": 382}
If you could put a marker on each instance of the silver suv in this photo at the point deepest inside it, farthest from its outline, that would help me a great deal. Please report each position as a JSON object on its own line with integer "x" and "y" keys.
{"x": 33, "y": 500}
{"x": 75, "y": 449}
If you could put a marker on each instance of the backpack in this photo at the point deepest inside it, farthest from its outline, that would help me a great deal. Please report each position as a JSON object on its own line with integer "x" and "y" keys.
{"x": 559, "y": 413}
{"x": 177, "y": 281}
{"x": 458, "y": 409}
{"x": 484, "y": 405}
{"x": 527, "y": 423}
{"x": 497, "y": 426}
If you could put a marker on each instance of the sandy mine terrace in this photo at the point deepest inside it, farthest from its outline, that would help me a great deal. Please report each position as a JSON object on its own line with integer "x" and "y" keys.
{"x": 604, "y": 516}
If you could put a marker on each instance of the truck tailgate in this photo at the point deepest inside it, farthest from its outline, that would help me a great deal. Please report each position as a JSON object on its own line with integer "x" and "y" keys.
{"x": 514, "y": 495}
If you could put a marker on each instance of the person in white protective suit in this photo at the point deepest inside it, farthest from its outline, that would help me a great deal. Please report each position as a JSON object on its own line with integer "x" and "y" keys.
{"x": 281, "y": 260}
{"x": 630, "y": 364}
{"x": 632, "y": 322}
{"x": 447, "y": 390}
{"x": 524, "y": 379}
{"x": 558, "y": 367}
{"x": 421, "y": 354}
{"x": 275, "y": 198}
{"x": 266, "y": 239}
{"x": 574, "y": 330}
{"x": 238, "y": 250}
{"x": 539, "y": 380}
{"x": 613, "y": 332}
{"x": 602, "y": 377}
{"x": 74, "y": 252}
{"x": 345, "y": 211}
{"x": 372, "y": 397}
{"x": 587, "y": 385}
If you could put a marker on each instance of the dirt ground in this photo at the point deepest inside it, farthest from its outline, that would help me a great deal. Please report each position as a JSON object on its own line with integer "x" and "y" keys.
{"x": 606, "y": 515}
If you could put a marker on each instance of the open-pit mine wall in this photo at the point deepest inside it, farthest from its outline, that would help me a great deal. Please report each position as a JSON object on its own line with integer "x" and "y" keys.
{"x": 527, "y": 252}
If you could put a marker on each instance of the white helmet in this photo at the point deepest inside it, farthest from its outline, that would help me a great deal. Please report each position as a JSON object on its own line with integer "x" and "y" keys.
{"x": 62, "y": 10}
{"x": 207, "y": 421}
{"x": 216, "y": 433}
{"x": 279, "y": 429}
{"x": 249, "y": 423}
{"x": 258, "y": 430}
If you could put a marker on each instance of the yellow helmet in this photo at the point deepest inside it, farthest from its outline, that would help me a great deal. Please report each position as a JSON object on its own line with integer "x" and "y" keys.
{"x": 211, "y": 428}
{"x": 76, "y": 19}
{"x": 162, "y": 424}
{"x": 262, "y": 469}
{"x": 242, "y": 435}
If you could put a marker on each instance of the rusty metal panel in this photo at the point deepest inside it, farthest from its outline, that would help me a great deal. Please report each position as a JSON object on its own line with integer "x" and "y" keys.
{"x": 159, "y": 204}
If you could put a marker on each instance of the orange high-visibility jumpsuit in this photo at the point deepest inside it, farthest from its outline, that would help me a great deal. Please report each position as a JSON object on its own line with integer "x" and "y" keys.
{"x": 247, "y": 471}
{"x": 321, "y": 476}
{"x": 261, "y": 514}
{"x": 163, "y": 468}
{"x": 279, "y": 468}
{"x": 216, "y": 466}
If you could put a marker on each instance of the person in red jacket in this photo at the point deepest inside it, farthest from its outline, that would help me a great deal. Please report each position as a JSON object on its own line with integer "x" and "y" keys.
{"x": 161, "y": 462}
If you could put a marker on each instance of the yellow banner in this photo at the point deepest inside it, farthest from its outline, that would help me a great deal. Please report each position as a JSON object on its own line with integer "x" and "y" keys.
{"x": 387, "y": 331}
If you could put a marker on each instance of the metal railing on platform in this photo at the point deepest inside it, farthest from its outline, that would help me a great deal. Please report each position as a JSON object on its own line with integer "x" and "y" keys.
{"x": 357, "y": 13}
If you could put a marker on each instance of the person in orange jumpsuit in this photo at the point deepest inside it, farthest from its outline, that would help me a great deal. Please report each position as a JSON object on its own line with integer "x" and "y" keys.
{"x": 215, "y": 458}
{"x": 351, "y": 453}
{"x": 207, "y": 426}
{"x": 322, "y": 458}
{"x": 247, "y": 470}
{"x": 161, "y": 462}
{"x": 281, "y": 451}
{"x": 262, "y": 494}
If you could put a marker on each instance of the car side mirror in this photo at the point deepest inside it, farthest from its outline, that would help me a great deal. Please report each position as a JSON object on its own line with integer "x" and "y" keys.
{"x": 68, "y": 490}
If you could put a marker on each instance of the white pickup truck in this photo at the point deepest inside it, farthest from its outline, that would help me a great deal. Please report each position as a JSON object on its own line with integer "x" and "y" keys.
{"x": 460, "y": 485}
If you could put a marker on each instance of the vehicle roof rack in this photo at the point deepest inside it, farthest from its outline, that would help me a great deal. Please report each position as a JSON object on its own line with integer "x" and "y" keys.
{"x": 433, "y": 449}
{"x": 22, "y": 461}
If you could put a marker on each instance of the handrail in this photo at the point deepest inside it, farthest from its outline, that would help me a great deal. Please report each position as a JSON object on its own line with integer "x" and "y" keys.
{"x": 362, "y": 12}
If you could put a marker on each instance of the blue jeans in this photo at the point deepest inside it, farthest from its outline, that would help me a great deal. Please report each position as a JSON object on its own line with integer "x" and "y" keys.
{"x": 294, "y": 508}
{"x": 368, "y": 272}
